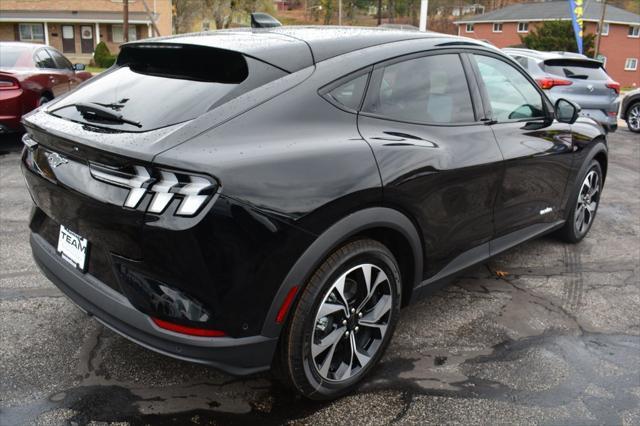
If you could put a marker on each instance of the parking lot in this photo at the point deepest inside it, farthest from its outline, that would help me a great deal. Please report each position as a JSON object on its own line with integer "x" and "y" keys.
{"x": 547, "y": 333}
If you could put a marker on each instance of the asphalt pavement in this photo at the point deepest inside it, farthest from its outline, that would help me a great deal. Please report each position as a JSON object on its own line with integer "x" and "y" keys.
{"x": 547, "y": 333}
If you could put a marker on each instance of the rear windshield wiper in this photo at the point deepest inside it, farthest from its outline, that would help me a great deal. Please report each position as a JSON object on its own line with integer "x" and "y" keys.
{"x": 93, "y": 110}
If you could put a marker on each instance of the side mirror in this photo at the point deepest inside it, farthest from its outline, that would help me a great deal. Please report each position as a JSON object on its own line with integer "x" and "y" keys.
{"x": 566, "y": 111}
{"x": 79, "y": 67}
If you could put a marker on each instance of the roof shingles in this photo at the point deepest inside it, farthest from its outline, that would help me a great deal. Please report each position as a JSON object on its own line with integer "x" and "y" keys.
{"x": 549, "y": 10}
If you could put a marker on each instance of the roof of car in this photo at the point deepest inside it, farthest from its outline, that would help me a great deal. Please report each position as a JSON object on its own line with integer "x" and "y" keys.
{"x": 32, "y": 46}
{"x": 295, "y": 47}
{"x": 536, "y": 54}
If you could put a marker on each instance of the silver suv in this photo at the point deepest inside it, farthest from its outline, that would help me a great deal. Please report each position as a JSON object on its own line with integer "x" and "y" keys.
{"x": 575, "y": 77}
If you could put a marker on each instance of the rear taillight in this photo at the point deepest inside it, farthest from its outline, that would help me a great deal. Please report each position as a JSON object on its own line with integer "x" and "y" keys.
{"x": 8, "y": 83}
{"x": 547, "y": 83}
{"x": 615, "y": 86}
{"x": 192, "y": 191}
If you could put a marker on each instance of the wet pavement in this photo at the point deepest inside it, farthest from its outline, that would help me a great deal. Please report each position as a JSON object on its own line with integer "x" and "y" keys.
{"x": 547, "y": 333}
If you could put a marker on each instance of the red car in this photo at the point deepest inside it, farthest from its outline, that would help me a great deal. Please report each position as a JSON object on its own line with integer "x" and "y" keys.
{"x": 30, "y": 75}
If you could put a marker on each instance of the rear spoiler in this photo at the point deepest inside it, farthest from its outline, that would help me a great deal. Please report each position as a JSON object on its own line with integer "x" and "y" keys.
{"x": 575, "y": 62}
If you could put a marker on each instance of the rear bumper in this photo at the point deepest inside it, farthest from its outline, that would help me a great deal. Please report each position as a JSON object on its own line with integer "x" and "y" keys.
{"x": 10, "y": 110}
{"x": 238, "y": 356}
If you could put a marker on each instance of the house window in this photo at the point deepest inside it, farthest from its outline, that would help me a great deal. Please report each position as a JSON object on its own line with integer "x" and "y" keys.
{"x": 117, "y": 33}
{"x": 497, "y": 27}
{"x": 469, "y": 28}
{"x": 523, "y": 27}
{"x": 605, "y": 29}
{"x": 634, "y": 31}
{"x": 31, "y": 32}
{"x": 631, "y": 64}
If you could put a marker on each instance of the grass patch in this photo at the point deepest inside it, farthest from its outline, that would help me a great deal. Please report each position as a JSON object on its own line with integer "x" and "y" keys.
{"x": 95, "y": 70}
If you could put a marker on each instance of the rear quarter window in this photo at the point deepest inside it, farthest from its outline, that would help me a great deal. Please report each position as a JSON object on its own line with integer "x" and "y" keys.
{"x": 348, "y": 94}
{"x": 160, "y": 85}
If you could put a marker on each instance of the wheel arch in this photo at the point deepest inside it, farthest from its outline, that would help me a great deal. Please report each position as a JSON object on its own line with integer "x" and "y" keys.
{"x": 602, "y": 159}
{"x": 47, "y": 94}
{"x": 383, "y": 224}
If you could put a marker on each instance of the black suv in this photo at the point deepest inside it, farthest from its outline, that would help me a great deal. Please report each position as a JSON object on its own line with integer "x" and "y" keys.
{"x": 252, "y": 199}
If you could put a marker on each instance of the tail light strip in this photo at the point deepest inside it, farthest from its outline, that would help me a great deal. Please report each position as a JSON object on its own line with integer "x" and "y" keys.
{"x": 547, "y": 83}
{"x": 8, "y": 83}
{"x": 194, "y": 191}
{"x": 138, "y": 181}
{"x": 615, "y": 86}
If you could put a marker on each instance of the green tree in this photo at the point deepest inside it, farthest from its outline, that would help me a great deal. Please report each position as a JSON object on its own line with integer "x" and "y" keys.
{"x": 557, "y": 35}
{"x": 102, "y": 57}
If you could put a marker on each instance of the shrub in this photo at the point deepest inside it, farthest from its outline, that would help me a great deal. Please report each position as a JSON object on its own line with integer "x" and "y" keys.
{"x": 102, "y": 57}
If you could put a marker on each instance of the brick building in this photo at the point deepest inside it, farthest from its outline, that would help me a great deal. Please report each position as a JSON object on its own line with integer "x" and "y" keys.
{"x": 620, "y": 43}
{"x": 75, "y": 27}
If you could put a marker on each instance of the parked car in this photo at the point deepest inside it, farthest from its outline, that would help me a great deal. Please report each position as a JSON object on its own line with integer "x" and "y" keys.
{"x": 30, "y": 75}
{"x": 574, "y": 77}
{"x": 630, "y": 110}
{"x": 273, "y": 198}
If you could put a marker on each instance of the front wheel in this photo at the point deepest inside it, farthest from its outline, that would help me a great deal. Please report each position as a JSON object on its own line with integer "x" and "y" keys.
{"x": 343, "y": 321}
{"x": 43, "y": 100}
{"x": 585, "y": 205}
{"x": 633, "y": 117}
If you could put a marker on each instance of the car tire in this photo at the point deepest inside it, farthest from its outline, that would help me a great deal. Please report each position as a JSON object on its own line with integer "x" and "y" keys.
{"x": 633, "y": 117}
{"x": 585, "y": 200}
{"x": 43, "y": 100}
{"x": 316, "y": 353}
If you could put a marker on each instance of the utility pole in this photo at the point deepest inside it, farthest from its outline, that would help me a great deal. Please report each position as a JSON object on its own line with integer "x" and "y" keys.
{"x": 379, "y": 12}
{"x": 600, "y": 27}
{"x": 125, "y": 18}
{"x": 424, "y": 7}
{"x": 339, "y": 12}
{"x": 152, "y": 17}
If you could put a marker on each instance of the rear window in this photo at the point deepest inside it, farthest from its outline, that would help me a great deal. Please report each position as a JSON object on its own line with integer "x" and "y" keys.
{"x": 158, "y": 85}
{"x": 12, "y": 56}
{"x": 576, "y": 69}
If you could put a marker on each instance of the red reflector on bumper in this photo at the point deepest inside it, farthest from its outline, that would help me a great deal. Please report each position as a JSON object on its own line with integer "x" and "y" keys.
{"x": 282, "y": 313}
{"x": 191, "y": 331}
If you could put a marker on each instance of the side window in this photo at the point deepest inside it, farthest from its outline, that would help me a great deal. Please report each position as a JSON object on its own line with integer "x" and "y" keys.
{"x": 43, "y": 60}
{"x": 511, "y": 95}
{"x": 61, "y": 62}
{"x": 430, "y": 89}
{"x": 350, "y": 93}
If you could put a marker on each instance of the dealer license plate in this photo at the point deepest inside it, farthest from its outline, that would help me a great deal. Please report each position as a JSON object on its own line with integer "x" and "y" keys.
{"x": 73, "y": 248}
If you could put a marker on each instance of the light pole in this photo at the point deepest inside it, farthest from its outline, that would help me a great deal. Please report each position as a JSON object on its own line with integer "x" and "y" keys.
{"x": 125, "y": 26}
{"x": 424, "y": 6}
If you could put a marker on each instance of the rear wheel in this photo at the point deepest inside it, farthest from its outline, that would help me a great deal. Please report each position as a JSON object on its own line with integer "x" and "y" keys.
{"x": 343, "y": 321}
{"x": 43, "y": 99}
{"x": 585, "y": 205}
{"x": 633, "y": 117}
